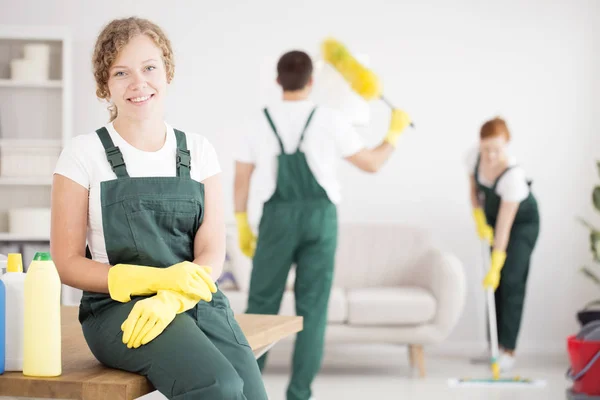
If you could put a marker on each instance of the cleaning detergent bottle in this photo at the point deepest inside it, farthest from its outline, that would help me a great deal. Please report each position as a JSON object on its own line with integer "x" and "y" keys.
{"x": 2, "y": 327}
{"x": 14, "y": 282}
{"x": 42, "y": 339}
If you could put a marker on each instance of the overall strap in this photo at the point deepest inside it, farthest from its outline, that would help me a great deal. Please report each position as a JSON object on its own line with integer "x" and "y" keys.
{"x": 501, "y": 175}
{"x": 476, "y": 172}
{"x": 184, "y": 159}
{"x": 274, "y": 130}
{"x": 305, "y": 127}
{"x": 478, "y": 191}
{"x": 113, "y": 154}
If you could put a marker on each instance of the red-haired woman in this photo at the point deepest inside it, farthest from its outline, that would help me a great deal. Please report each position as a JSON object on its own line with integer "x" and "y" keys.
{"x": 506, "y": 215}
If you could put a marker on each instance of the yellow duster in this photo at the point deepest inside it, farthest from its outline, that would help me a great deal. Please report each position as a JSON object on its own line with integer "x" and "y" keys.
{"x": 362, "y": 80}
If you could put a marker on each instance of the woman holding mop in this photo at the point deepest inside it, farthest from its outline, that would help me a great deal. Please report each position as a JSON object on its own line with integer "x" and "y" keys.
{"x": 506, "y": 216}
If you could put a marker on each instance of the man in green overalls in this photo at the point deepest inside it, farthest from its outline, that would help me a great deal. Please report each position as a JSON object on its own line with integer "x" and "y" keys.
{"x": 506, "y": 215}
{"x": 294, "y": 149}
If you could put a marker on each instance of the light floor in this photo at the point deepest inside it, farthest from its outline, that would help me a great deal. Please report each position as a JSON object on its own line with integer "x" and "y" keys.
{"x": 382, "y": 372}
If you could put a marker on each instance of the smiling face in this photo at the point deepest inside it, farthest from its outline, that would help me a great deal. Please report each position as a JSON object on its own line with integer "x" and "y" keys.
{"x": 493, "y": 150}
{"x": 133, "y": 59}
{"x": 137, "y": 80}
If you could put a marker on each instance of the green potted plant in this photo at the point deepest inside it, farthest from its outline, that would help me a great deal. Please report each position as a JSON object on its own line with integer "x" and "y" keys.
{"x": 591, "y": 311}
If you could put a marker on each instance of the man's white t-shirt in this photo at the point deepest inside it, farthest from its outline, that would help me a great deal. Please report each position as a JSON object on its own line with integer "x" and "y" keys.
{"x": 328, "y": 138}
{"x": 512, "y": 186}
{"x": 84, "y": 161}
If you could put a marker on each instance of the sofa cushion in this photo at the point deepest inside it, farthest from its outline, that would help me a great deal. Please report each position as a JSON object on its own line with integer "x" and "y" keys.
{"x": 337, "y": 312}
{"x": 390, "y": 306}
{"x": 379, "y": 255}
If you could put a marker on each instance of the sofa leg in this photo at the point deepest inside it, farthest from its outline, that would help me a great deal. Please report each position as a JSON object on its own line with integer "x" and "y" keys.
{"x": 418, "y": 357}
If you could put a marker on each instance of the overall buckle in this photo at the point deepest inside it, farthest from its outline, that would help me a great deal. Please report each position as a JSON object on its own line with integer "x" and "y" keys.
{"x": 115, "y": 157}
{"x": 184, "y": 158}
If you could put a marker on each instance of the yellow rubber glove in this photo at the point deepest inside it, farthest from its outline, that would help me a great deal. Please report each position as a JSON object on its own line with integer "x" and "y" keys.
{"x": 125, "y": 280}
{"x": 492, "y": 279}
{"x": 399, "y": 121}
{"x": 246, "y": 239}
{"x": 484, "y": 231}
{"x": 149, "y": 317}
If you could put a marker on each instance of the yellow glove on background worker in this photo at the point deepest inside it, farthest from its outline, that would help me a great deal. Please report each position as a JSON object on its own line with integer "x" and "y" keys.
{"x": 246, "y": 239}
{"x": 150, "y": 317}
{"x": 125, "y": 280}
{"x": 492, "y": 279}
{"x": 484, "y": 231}
{"x": 399, "y": 121}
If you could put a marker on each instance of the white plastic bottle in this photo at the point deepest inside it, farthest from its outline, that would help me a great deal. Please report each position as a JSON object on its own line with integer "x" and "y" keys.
{"x": 14, "y": 282}
{"x": 42, "y": 338}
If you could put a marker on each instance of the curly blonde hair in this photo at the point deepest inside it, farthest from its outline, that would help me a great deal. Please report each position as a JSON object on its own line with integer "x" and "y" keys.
{"x": 111, "y": 41}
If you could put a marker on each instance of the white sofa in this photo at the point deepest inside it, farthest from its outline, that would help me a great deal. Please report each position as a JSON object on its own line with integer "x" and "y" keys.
{"x": 391, "y": 286}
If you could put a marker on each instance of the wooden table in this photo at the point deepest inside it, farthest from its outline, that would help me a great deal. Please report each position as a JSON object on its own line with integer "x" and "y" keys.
{"x": 83, "y": 377}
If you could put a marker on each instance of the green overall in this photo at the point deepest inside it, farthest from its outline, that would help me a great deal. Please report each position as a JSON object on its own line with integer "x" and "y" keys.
{"x": 202, "y": 354}
{"x": 298, "y": 226}
{"x": 510, "y": 295}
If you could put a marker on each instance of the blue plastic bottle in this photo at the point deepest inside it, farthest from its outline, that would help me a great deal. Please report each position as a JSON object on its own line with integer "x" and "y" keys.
{"x": 2, "y": 326}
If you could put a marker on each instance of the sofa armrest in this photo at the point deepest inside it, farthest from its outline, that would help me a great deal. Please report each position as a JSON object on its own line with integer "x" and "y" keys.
{"x": 443, "y": 274}
{"x": 240, "y": 264}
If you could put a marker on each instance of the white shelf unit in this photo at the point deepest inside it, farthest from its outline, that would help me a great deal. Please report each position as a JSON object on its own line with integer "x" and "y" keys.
{"x": 10, "y": 237}
{"x": 32, "y": 113}
{"x": 49, "y": 84}
{"x": 25, "y": 181}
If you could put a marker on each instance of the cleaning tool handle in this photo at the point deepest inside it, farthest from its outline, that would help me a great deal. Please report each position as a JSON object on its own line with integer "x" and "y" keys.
{"x": 390, "y": 105}
{"x": 386, "y": 101}
{"x": 585, "y": 369}
{"x": 491, "y": 306}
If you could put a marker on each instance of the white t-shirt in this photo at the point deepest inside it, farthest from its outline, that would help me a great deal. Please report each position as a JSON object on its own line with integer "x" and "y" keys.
{"x": 328, "y": 138}
{"x": 512, "y": 186}
{"x": 84, "y": 161}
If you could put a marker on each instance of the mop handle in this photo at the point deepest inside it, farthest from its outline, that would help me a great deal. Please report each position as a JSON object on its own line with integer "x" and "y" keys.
{"x": 491, "y": 303}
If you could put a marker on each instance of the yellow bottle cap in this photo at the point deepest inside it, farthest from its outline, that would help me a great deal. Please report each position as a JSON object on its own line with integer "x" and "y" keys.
{"x": 14, "y": 263}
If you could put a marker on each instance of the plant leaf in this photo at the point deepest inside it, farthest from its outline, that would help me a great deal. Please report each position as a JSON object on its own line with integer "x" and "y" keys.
{"x": 594, "y": 239}
{"x": 596, "y": 198}
{"x": 592, "y": 303}
{"x": 591, "y": 275}
{"x": 595, "y": 245}
{"x": 586, "y": 224}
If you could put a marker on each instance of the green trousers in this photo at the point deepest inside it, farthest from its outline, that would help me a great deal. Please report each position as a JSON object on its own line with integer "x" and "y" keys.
{"x": 510, "y": 294}
{"x": 303, "y": 233}
{"x": 202, "y": 354}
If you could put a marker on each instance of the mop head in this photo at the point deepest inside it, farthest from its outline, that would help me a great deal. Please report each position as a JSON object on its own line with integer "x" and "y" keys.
{"x": 500, "y": 382}
{"x": 496, "y": 381}
{"x": 363, "y": 81}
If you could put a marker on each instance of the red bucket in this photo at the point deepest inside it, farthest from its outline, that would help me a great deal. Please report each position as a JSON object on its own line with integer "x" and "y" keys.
{"x": 585, "y": 366}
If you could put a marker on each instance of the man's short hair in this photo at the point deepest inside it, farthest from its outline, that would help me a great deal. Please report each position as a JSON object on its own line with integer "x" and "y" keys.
{"x": 294, "y": 70}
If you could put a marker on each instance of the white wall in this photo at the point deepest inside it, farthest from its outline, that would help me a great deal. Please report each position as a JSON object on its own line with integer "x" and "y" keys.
{"x": 450, "y": 64}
